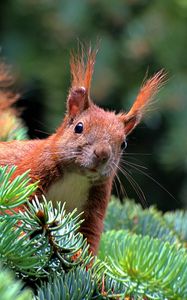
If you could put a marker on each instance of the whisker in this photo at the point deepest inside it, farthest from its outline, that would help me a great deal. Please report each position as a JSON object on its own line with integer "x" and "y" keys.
{"x": 132, "y": 159}
{"x": 42, "y": 131}
{"x": 66, "y": 156}
{"x": 69, "y": 152}
{"x": 150, "y": 177}
{"x": 123, "y": 191}
{"x": 115, "y": 184}
{"x": 130, "y": 163}
{"x": 116, "y": 188}
{"x": 136, "y": 153}
{"x": 135, "y": 186}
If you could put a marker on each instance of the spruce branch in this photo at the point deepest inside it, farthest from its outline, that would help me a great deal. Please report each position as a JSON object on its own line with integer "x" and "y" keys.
{"x": 177, "y": 221}
{"x": 77, "y": 284}
{"x": 16, "y": 192}
{"x": 41, "y": 238}
{"x": 45, "y": 240}
{"x": 10, "y": 288}
{"x": 132, "y": 217}
{"x": 60, "y": 229}
{"x": 146, "y": 268}
{"x": 18, "y": 251}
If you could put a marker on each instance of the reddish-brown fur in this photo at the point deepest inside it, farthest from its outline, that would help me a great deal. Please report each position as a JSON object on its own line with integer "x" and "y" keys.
{"x": 93, "y": 154}
{"x": 6, "y": 96}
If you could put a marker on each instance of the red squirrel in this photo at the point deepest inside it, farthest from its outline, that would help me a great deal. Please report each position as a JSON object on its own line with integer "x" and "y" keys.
{"x": 77, "y": 163}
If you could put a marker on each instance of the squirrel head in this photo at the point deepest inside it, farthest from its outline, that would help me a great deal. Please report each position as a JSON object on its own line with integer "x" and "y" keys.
{"x": 91, "y": 138}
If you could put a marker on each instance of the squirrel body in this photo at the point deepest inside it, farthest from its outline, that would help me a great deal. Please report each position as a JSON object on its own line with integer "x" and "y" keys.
{"x": 77, "y": 164}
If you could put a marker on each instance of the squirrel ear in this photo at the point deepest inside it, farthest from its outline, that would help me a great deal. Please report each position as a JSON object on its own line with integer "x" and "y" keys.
{"x": 142, "y": 101}
{"x": 130, "y": 122}
{"x": 77, "y": 102}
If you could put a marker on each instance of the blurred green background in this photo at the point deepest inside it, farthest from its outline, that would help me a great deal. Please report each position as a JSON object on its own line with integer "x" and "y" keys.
{"x": 136, "y": 37}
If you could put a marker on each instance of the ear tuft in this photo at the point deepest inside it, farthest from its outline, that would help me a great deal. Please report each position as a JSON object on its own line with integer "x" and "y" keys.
{"x": 143, "y": 100}
{"x": 82, "y": 66}
{"x": 146, "y": 94}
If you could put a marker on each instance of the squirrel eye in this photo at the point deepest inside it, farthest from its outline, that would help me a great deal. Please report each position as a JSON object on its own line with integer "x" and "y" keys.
{"x": 78, "y": 128}
{"x": 124, "y": 145}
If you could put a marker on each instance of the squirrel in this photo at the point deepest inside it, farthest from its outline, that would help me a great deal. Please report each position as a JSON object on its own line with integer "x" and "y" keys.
{"x": 77, "y": 164}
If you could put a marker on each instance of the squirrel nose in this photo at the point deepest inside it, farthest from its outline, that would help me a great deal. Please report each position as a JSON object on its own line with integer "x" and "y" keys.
{"x": 102, "y": 154}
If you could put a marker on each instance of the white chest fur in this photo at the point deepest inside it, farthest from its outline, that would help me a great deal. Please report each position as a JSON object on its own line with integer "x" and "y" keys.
{"x": 72, "y": 189}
